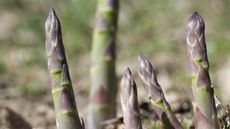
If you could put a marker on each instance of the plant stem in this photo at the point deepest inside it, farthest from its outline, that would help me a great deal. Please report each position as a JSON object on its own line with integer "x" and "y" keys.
{"x": 63, "y": 95}
{"x": 155, "y": 94}
{"x": 129, "y": 102}
{"x": 103, "y": 76}
{"x": 204, "y": 104}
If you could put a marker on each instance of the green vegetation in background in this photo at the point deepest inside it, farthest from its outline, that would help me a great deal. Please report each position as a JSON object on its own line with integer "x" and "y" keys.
{"x": 151, "y": 27}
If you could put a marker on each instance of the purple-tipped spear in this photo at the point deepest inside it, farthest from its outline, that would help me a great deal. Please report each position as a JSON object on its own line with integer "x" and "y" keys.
{"x": 129, "y": 102}
{"x": 204, "y": 105}
{"x": 63, "y": 96}
{"x": 155, "y": 94}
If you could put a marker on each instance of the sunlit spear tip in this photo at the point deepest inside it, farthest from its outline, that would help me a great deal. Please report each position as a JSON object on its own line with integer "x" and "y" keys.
{"x": 50, "y": 19}
{"x": 141, "y": 60}
{"x": 195, "y": 22}
{"x": 127, "y": 74}
{"x": 146, "y": 70}
{"x": 127, "y": 83}
{"x": 144, "y": 63}
{"x": 52, "y": 25}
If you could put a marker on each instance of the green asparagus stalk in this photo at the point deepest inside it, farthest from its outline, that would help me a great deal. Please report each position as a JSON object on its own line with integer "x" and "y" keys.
{"x": 155, "y": 94}
{"x": 204, "y": 104}
{"x": 129, "y": 102}
{"x": 102, "y": 72}
{"x": 63, "y": 95}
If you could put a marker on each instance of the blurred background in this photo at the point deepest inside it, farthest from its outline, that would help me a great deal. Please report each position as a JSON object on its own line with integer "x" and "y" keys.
{"x": 155, "y": 28}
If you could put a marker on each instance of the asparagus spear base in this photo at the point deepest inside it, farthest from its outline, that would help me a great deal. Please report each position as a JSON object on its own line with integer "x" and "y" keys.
{"x": 98, "y": 113}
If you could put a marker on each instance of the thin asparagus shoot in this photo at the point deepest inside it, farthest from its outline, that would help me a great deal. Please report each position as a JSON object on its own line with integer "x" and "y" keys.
{"x": 129, "y": 102}
{"x": 155, "y": 93}
{"x": 63, "y": 96}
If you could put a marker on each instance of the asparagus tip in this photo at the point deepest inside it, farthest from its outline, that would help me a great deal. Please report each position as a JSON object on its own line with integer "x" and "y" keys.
{"x": 145, "y": 68}
{"x": 127, "y": 85}
{"x": 141, "y": 57}
{"x": 126, "y": 78}
{"x": 50, "y": 18}
{"x": 141, "y": 61}
{"x": 195, "y": 21}
{"x": 127, "y": 73}
{"x": 52, "y": 21}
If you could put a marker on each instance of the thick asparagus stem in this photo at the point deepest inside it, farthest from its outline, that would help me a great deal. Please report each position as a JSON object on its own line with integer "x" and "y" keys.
{"x": 129, "y": 102}
{"x": 155, "y": 94}
{"x": 62, "y": 91}
{"x": 204, "y": 104}
{"x": 103, "y": 75}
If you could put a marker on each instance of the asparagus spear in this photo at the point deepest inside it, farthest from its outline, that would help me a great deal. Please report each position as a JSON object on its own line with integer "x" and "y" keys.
{"x": 129, "y": 102}
{"x": 155, "y": 93}
{"x": 103, "y": 76}
{"x": 204, "y": 105}
{"x": 63, "y": 96}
